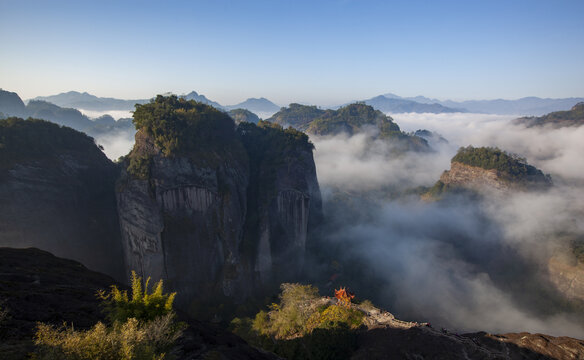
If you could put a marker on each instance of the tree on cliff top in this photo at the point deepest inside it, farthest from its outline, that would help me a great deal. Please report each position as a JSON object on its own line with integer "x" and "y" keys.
{"x": 179, "y": 126}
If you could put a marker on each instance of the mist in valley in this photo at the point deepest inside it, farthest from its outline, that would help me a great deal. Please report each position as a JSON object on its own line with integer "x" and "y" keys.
{"x": 465, "y": 264}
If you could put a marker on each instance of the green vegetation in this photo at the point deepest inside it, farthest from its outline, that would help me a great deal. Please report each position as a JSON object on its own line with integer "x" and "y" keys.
{"x": 510, "y": 167}
{"x": 303, "y": 325}
{"x": 142, "y": 305}
{"x": 180, "y": 127}
{"x": 352, "y": 118}
{"x": 142, "y": 327}
{"x": 22, "y": 140}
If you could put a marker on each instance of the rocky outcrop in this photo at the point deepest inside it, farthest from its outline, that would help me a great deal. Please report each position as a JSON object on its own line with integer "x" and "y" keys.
{"x": 480, "y": 179}
{"x": 473, "y": 177}
{"x": 221, "y": 221}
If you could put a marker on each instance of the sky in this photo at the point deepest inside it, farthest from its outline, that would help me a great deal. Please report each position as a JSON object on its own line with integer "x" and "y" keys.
{"x": 317, "y": 52}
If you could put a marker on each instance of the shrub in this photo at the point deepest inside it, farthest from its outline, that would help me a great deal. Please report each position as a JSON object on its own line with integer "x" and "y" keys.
{"x": 333, "y": 317}
{"x": 128, "y": 340}
{"x": 142, "y": 327}
{"x": 142, "y": 305}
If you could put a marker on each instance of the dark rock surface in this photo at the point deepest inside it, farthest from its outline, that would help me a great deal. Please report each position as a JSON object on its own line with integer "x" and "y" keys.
{"x": 37, "y": 286}
{"x": 57, "y": 194}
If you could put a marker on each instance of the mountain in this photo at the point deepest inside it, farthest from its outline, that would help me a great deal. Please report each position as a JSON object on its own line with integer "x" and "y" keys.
{"x": 296, "y": 115}
{"x": 240, "y": 115}
{"x": 533, "y": 106}
{"x": 11, "y": 104}
{"x": 77, "y": 100}
{"x": 217, "y": 212}
{"x": 72, "y": 118}
{"x": 193, "y": 95}
{"x": 524, "y": 106}
{"x": 573, "y": 117}
{"x": 258, "y": 106}
{"x": 488, "y": 169}
{"x": 350, "y": 119}
{"x": 57, "y": 193}
{"x": 400, "y": 105}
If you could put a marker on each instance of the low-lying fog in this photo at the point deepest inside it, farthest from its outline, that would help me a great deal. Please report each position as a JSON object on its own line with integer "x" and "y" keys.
{"x": 467, "y": 265}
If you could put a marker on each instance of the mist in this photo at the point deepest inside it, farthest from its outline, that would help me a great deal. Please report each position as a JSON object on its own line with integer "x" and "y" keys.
{"x": 116, "y": 144}
{"x": 464, "y": 264}
{"x": 116, "y": 114}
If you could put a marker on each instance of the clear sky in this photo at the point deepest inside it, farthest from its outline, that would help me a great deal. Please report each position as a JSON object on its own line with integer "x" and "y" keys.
{"x": 319, "y": 52}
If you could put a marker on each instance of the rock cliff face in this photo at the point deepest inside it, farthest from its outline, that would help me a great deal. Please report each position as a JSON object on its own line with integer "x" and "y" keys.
{"x": 473, "y": 177}
{"x": 218, "y": 221}
{"x": 185, "y": 222}
{"x": 57, "y": 194}
{"x": 476, "y": 178}
{"x": 568, "y": 277}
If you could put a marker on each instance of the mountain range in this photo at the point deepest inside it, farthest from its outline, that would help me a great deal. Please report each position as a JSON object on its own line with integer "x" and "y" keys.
{"x": 388, "y": 103}
{"x": 85, "y": 101}
{"x": 531, "y": 105}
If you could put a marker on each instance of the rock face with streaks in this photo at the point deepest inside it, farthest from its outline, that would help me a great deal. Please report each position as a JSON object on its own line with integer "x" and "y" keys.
{"x": 222, "y": 213}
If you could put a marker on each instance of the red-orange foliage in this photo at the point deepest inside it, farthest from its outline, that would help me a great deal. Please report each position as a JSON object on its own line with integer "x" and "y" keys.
{"x": 344, "y": 297}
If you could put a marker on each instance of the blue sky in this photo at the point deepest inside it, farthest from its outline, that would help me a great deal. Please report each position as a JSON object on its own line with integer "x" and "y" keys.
{"x": 319, "y": 52}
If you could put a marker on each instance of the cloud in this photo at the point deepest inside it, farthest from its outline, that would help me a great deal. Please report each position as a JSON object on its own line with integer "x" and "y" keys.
{"x": 116, "y": 145}
{"x": 359, "y": 163}
{"x": 116, "y": 114}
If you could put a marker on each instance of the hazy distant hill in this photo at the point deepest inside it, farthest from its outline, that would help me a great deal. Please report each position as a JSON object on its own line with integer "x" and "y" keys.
{"x": 193, "y": 95}
{"x": 12, "y": 105}
{"x": 398, "y": 105}
{"x": 261, "y": 105}
{"x": 525, "y": 106}
{"x": 243, "y": 115}
{"x": 77, "y": 100}
{"x": 572, "y": 117}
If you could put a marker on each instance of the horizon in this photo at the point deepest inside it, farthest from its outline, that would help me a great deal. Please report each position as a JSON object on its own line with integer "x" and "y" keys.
{"x": 328, "y": 53}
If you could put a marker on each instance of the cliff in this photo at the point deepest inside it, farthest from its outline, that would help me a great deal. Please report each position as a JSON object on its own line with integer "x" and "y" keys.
{"x": 57, "y": 193}
{"x": 211, "y": 209}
